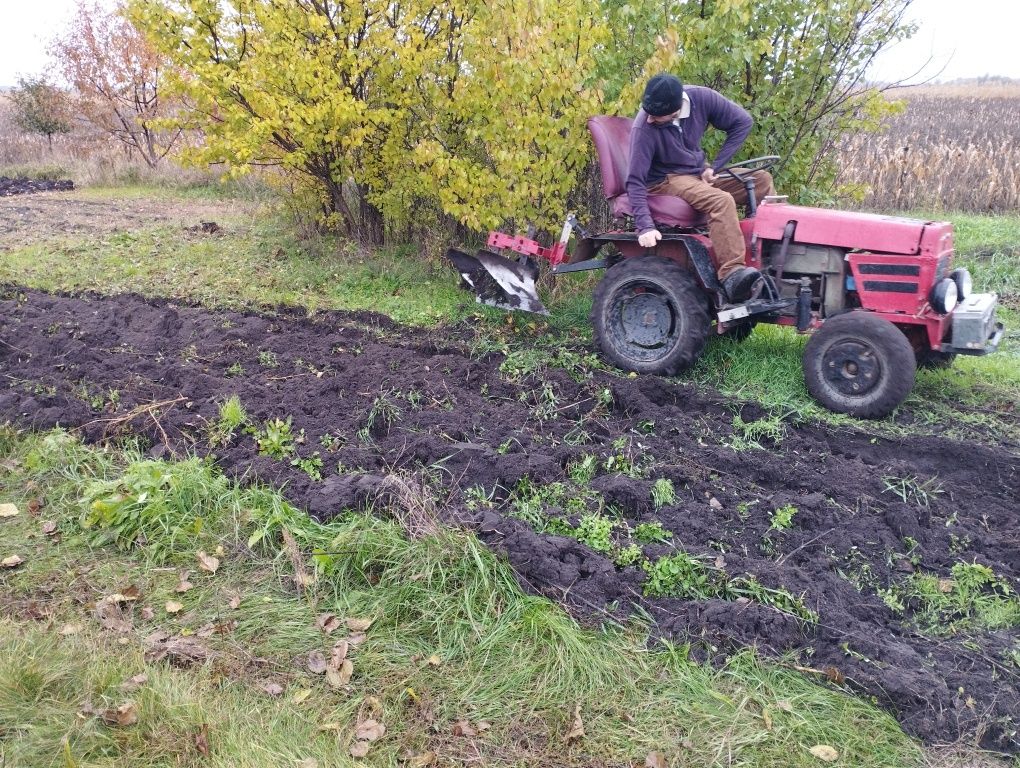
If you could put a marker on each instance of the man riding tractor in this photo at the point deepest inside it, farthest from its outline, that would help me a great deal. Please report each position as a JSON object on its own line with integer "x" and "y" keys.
{"x": 666, "y": 158}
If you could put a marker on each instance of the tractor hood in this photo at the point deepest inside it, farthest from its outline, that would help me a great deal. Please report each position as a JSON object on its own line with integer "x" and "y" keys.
{"x": 852, "y": 230}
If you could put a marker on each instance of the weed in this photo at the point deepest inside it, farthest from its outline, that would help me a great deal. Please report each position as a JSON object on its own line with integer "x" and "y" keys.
{"x": 332, "y": 441}
{"x": 782, "y": 518}
{"x": 235, "y": 369}
{"x": 973, "y": 598}
{"x": 583, "y": 471}
{"x": 383, "y": 413}
{"x": 623, "y": 459}
{"x": 476, "y": 497}
{"x": 652, "y": 533}
{"x": 911, "y": 489}
{"x": 750, "y": 434}
{"x": 684, "y": 576}
{"x": 310, "y": 465}
{"x": 276, "y": 439}
{"x": 596, "y": 531}
{"x": 233, "y": 416}
{"x": 267, "y": 358}
{"x": 626, "y": 556}
{"x": 663, "y": 493}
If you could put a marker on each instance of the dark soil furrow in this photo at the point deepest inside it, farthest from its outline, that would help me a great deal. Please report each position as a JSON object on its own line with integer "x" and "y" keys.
{"x": 373, "y": 398}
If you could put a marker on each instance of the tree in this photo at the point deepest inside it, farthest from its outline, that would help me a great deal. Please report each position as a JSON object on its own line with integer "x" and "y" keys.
{"x": 40, "y": 107}
{"x": 462, "y": 106}
{"x": 118, "y": 78}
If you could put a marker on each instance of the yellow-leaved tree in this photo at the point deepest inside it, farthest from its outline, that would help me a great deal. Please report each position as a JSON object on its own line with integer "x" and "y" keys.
{"x": 469, "y": 108}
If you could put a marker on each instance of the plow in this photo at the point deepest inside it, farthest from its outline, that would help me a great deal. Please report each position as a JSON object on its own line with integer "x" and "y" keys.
{"x": 878, "y": 294}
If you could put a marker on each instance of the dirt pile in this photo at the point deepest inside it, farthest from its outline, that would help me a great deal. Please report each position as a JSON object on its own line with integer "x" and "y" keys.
{"x": 367, "y": 399}
{"x": 22, "y": 186}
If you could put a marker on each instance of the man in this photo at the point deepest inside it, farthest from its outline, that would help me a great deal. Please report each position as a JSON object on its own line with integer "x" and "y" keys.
{"x": 666, "y": 158}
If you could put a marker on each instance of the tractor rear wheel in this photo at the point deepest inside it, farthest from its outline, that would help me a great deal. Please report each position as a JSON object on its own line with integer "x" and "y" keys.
{"x": 859, "y": 364}
{"x": 649, "y": 316}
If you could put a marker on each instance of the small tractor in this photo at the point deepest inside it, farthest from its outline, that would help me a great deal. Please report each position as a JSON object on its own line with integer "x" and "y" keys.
{"x": 878, "y": 293}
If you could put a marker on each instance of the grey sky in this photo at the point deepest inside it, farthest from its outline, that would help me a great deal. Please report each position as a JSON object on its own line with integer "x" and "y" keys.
{"x": 963, "y": 39}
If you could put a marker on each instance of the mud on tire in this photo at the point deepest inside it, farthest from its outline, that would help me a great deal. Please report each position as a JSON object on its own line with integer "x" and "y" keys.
{"x": 649, "y": 316}
{"x": 860, "y": 365}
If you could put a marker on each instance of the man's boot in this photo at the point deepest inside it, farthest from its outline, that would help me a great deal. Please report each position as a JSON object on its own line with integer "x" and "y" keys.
{"x": 740, "y": 284}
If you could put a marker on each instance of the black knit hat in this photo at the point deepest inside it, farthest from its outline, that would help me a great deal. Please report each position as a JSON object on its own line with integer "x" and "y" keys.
{"x": 663, "y": 95}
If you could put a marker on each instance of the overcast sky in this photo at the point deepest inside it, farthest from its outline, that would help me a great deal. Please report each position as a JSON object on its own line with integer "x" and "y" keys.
{"x": 967, "y": 38}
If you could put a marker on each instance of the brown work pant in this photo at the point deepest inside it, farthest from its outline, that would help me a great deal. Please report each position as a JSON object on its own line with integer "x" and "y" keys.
{"x": 718, "y": 201}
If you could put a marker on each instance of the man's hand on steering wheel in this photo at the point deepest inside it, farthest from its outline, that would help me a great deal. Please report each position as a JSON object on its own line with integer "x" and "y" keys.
{"x": 708, "y": 175}
{"x": 763, "y": 163}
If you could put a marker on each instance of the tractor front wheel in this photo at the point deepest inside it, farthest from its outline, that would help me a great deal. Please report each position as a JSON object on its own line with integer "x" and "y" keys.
{"x": 859, "y": 364}
{"x": 649, "y": 316}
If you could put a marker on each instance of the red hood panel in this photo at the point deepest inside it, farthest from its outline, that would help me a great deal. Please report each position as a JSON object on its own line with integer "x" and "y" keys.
{"x": 843, "y": 229}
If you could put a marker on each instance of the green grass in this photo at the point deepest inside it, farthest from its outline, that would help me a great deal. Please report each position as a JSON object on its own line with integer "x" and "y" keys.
{"x": 452, "y": 638}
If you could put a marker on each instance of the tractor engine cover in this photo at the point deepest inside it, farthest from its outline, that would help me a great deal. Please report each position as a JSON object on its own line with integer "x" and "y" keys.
{"x": 824, "y": 266}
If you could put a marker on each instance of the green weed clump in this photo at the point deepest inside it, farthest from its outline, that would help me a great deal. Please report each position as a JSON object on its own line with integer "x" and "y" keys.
{"x": 663, "y": 493}
{"x": 233, "y": 417}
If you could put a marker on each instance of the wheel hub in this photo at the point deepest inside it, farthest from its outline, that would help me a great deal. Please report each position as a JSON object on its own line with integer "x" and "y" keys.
{"x": 643, "y": 321}
{"x": 851, "y": 367}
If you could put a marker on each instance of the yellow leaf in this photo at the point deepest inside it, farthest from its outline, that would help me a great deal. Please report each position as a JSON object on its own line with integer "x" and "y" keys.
{"x": 8, "y": 510}
{"x": 824, "y": 752}
{"x": 172, "y": 607}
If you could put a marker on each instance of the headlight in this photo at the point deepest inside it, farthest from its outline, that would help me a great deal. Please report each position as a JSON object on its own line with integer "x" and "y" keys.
{"x": 964, "y": 283}
{"x": 944, "y": 296}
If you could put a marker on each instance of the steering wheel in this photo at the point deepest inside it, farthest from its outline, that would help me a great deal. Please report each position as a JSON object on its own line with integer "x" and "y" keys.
{"x": 763, "y": 163}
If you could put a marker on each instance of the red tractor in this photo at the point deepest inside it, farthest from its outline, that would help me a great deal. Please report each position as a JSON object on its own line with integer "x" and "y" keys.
{"x": 877, "y": 292}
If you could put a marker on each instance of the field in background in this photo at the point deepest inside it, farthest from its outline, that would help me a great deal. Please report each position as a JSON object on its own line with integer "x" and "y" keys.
{"x": 954, "y": 147}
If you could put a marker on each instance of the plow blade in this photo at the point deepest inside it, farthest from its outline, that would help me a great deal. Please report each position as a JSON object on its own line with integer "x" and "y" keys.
{"x": 499, "y": 282}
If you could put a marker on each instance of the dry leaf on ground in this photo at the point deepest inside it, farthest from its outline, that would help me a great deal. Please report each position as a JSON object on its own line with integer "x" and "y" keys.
{"x": 111, "y": 614}
{"x": 11, "y": 562}
{"x": 356, "y": 639}
{"x": 576, "y": 731}
{"x": 208, "y": 563}
{"x": 235, "y": 602}
{"x": 124, "y": 715}
{"x": 183, "y": 585}
{"x": 370, "y": 730}
{"x": 172, "y": 606}
{"x": 359, "y": 625}
{"x": 273, "y": 689}
{"x": 134, "y": 683}
{"x": 463, "y": 728}
{"x": 301, "y": 695}
{"x": 338, "y": 675}
{"x": 48, "y": 527}
{"x": 360, "y": 749}
{"x": 655, "y": 760}
{"x": 8, "y": 510}
{"x": 824, "y": 752}
{"x": 202, "y": 741}
{"x": 316, "y": 662}
{"x": 327, "y": 622}
{"x": 69, "y": 629}
{"x": 422, "y": 760}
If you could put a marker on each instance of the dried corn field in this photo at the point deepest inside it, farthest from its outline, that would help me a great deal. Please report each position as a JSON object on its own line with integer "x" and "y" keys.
{"x": 953, "y": 147}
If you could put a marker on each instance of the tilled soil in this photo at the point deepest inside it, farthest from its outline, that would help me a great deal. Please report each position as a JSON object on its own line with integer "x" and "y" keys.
{"x": 22, "y": 186}
{"x": 457, "y": 419}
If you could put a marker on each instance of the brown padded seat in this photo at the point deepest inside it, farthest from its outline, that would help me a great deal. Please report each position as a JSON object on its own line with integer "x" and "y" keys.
{"x": 612, "y": 142}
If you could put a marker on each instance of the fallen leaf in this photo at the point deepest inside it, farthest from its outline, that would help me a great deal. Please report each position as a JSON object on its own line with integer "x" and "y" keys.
{"x": 235, "y": 602}
{"x": 301, "y": 695}
{"x": 358, "y": 625}
{"x": 720, "y": 561}
{"x": 308, "y": 762}
{"x": 360, "y": 749}
{"x": 767, "y": 717}
{"x": 134, "y": 683}
{"x": 576, "y": 731}
{"x": 824, "y": 752}
{"x": 11, "y": 562}
{"x": 183, "y": 585}
{"x": 835, "y": 676}
{"x": 463, "y": 728}
{"x": 206, "y": 630}
{"x": 273, "y": 689}
{"x": 208, "y": 563}
{"x": 784, "y": 705}
{"x": 316, "y": 662}
{"x": 714, "y": 503}
{"x": 147, "y": 613}
{"x": 34, "y": 506}
{"x": 484, "y": 726}
{"x": 202, "y": 741}
{"x": 8, "y": 510}
{"x": 327, "y": 622}
{"x": 339, "y": 653}
{"x": 130, "y": 594}
{"x": 111, "y": 614}
{"x": 370, "y": 730}
{"x": 124, "y": 715}
{"x": 655, "y": 760}
{"x": 172, "y": 606}
{"x": 433, "y": 660}
{"x": 356, "y": 639}
{"x": 48, "y": 527}
{"x": 946, "y": 585}
{"x": 422, "y": 760}
{"x": 339, "y": 676}
{"x": 69, "y": 629}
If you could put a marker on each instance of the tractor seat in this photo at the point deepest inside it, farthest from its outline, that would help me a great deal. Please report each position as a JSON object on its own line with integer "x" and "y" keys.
{"x": 612, "y": 143}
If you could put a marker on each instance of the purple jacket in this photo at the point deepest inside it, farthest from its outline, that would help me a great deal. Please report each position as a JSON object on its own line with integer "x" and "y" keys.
{"x": 658, "y": 150}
